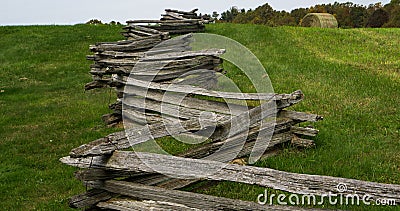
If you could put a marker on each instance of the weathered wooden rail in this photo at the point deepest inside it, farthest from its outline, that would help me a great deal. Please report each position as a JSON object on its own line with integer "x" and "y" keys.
{"x": 173, "y": 22}
{"x": 117, "y": 59}
{"x": 136, "y": 162}
{"x": 167, "y": 91}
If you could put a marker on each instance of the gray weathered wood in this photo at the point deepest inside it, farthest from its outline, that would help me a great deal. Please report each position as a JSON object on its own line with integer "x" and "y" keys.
{"x": 302, "y": 143}
{"x": 229, "y": 127}
{"x": 204, "y": 169}
{"x": 154, "y": 62}
{"x": 185, "y": 54}
{"x": 193, "y": 12}
{"x": 181, "y": 200}
{"x": 120, "y": 140}
{"x": 126, "y": 42}
{"x": 154, "y": 69}
{"x": 229, "y": 151}
{"x": 111, "y": 118}
{"x": 140, "y": 117}
{"x": 156, "y": 50}
{"x": 179, "y": 25}
{"x": 210, "y": 148}
{"x": 141, "y": 28}
{"x": 300, "y": 116}
{"x": 188, "y": 101}
{"x": 166, "y": 109}
{"x": 180, "y": 29}
{"x": 167, "y": 63}
{"x": 89, "y": 198}
{"x": 199, "y": 152}
{"x": 173, "y": 16}
{"x": 96, "y": 84}
{"x": 133, "y": 45}
{"x": 203, "y": 77}
{"x": 131, "y": 204}
{"x": 141, "y": 33}
{"x": 306, "y": 131}
{"x": 203, "y": 151}
{"x": 214, "y": 106}
{"x": 291, "y": 98}
{"x": 92, "y": 174}
{"x": 131, "y": 36}
{"x": 201, "y": 80}
{"x": 131, "y": 22}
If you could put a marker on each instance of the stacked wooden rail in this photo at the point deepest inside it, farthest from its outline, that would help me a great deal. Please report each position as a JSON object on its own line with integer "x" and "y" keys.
{"x": 173, "y": 22}
{"x": 169, "y": 90}
{"x": 121, "y": 180}
{"x": 115, "y": 60}
{"x": 143, "y": 188}
{"x": 160, "y": 88}
{"x": 115, "y": 63}
{"x": 127, "y": 180}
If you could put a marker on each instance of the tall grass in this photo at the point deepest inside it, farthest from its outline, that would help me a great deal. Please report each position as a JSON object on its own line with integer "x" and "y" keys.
{"x": 45, "y": 111}
{"x": 351, "y": 77}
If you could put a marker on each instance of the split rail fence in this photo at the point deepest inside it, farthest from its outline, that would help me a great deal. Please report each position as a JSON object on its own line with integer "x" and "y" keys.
{"x": 167, "y": 91}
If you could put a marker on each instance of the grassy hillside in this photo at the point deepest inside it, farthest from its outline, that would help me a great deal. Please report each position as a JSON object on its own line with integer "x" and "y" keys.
{"x": 45, "y": 111}
{"x": 351, "y": 77}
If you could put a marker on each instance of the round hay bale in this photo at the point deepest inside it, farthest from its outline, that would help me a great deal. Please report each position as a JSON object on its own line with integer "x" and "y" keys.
{"x": 321, "y": 20}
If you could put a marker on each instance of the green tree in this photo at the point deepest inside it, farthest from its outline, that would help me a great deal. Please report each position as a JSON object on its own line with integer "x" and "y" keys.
{"x": 378, "y": 18}
{"x": 348, "y": 15}
{"x": 394, "y": 13}
{"x": 358, "y": 16}
{"x": 298, "y": 14}
{"x": 343, "y": 17}
{"x": 317, "y": 9}
{"x": 94, "y": 21}
{"x": 245, "y": 17}
{"x": 264, "y": 15}
{"x": 229, "y": 15}
{"x": 215, "y": 15}
{"x": 261, "y": 15}
{"x": 284, "y": 18}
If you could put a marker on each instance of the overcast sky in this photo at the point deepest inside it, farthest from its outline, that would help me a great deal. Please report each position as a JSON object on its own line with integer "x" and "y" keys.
{"x": 38, "y": 12}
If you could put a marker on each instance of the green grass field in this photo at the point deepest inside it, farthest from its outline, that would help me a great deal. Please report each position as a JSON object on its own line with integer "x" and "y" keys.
{"x": 351, "y": 77}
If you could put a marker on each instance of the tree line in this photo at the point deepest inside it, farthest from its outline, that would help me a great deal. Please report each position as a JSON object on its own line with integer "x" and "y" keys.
{"x": 348, "y": 15}
{"x": 99, "y": 22}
